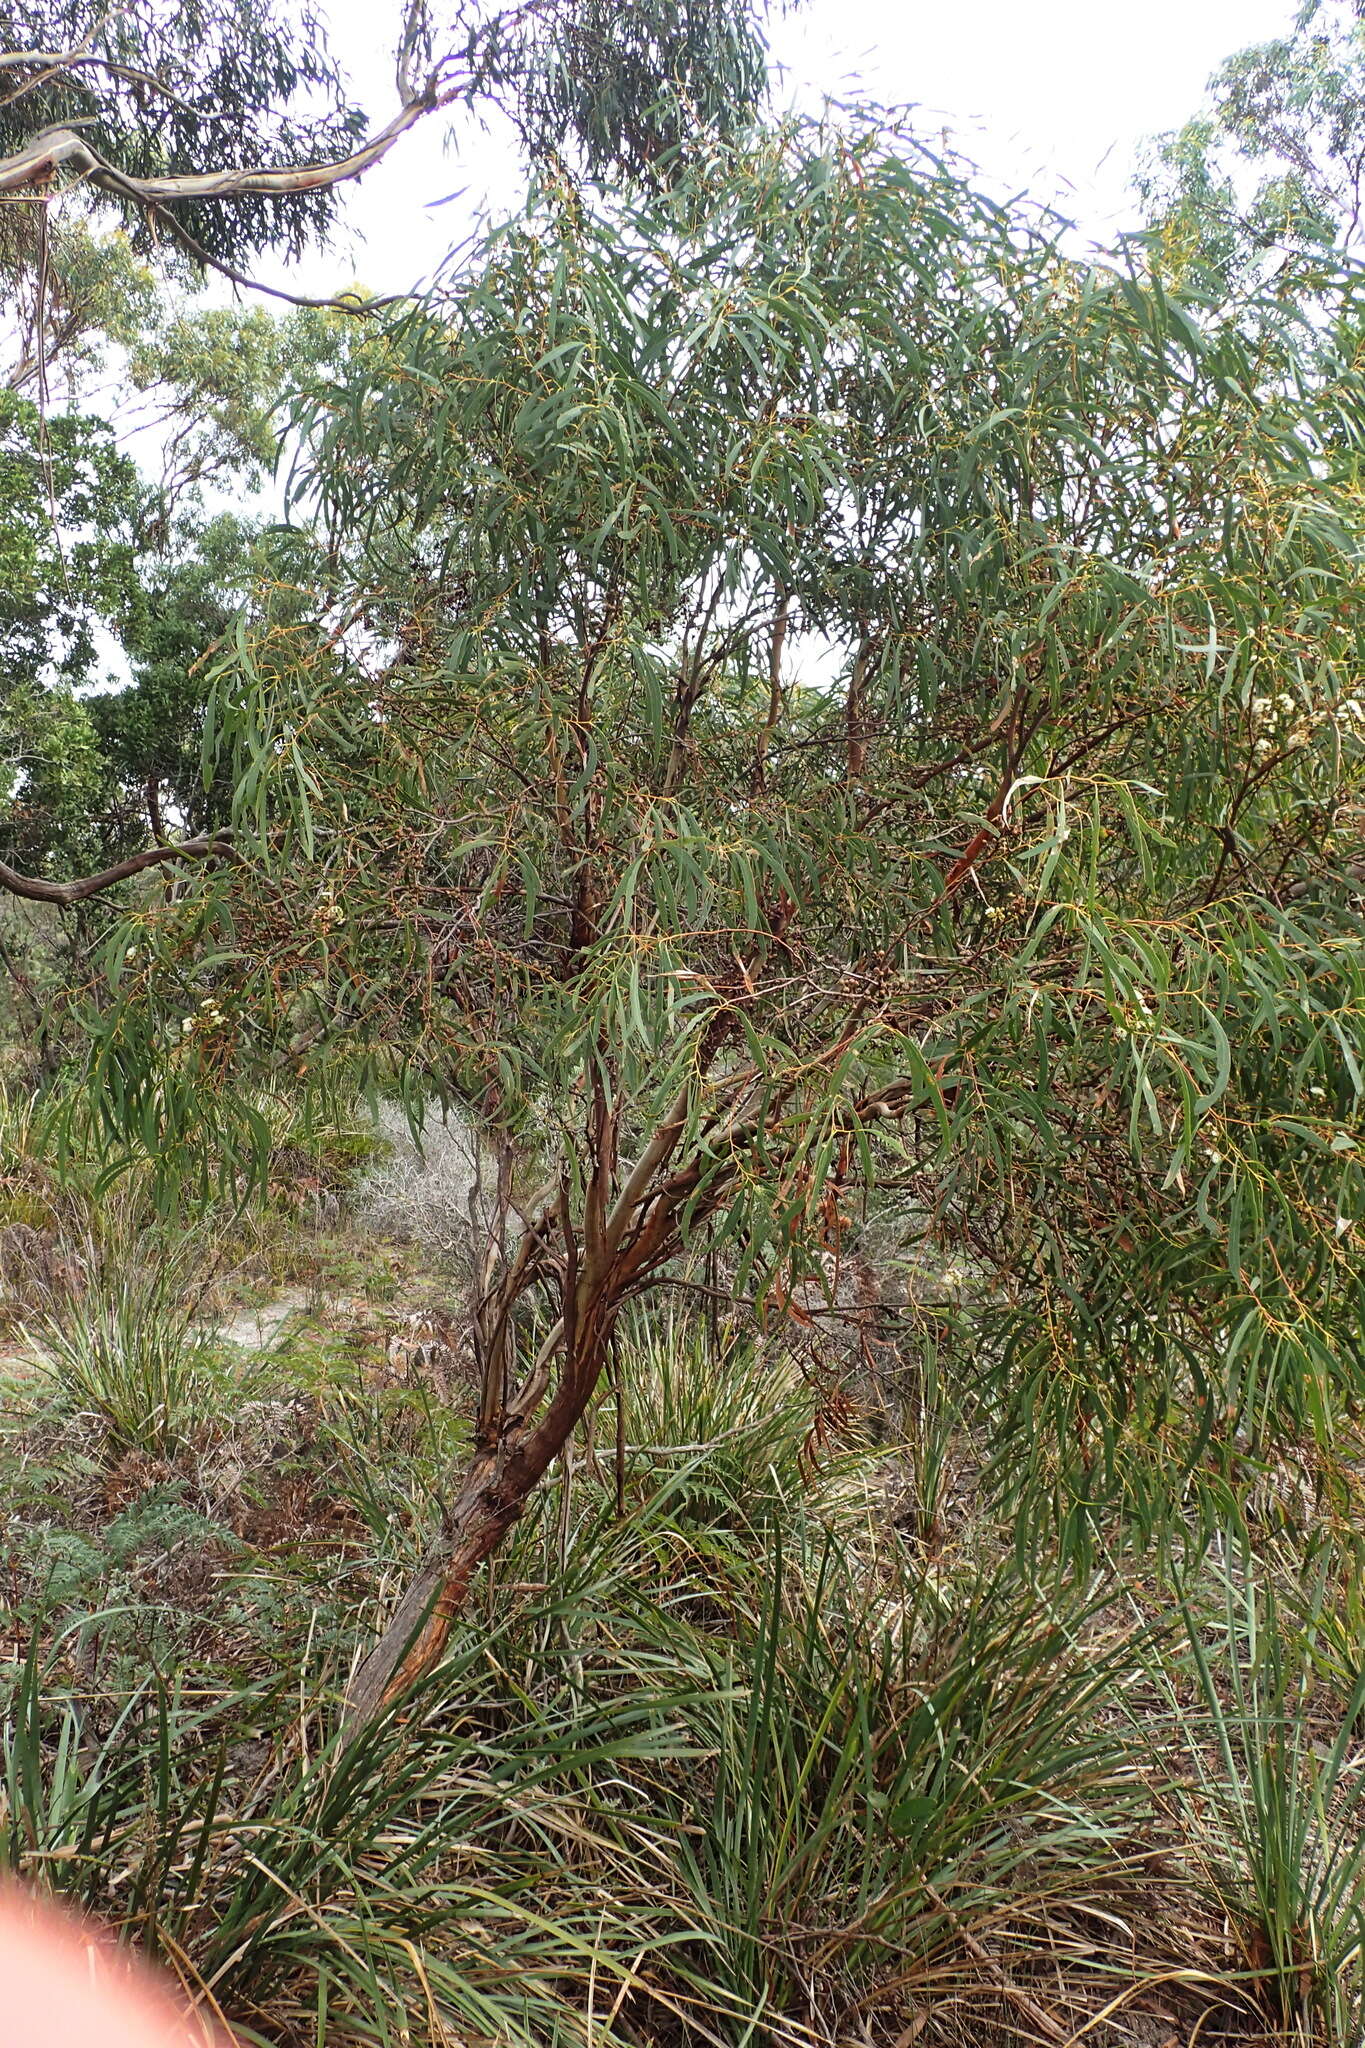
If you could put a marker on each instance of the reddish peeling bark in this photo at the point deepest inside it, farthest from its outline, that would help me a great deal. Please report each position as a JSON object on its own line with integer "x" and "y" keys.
{"x": 497, "y": 1484}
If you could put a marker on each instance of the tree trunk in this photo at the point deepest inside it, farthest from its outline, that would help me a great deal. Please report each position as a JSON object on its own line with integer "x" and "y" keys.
{"x": 497, "y": 1484}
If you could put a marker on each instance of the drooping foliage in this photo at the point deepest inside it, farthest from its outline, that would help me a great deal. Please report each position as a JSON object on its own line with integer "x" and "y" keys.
{"x": 820, "y": 692}
{"x": 164, "y": 88}
{"x": 625, "y": 89}
{"x": 151, "y": 729}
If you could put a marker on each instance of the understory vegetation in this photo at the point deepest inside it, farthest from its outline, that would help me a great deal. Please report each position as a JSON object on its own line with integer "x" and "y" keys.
{"x": 767, "y": 1724}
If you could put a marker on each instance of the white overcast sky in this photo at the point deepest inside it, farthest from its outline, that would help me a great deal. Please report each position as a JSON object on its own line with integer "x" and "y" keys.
{"x": 1055, "y": 95}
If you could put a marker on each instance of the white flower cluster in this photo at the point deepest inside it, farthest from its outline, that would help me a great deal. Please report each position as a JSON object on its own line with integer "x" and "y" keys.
{"x": 208, "y": 1019}
{"x": 1281, "y": 722}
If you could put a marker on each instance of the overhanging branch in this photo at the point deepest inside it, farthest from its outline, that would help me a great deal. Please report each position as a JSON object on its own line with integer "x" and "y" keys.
{"x": 34, "y": 889}
{"x": 32, "y": 168}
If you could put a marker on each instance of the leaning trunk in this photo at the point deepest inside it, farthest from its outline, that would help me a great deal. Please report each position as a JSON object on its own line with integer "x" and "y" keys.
{"x": 497, "y": 1484}
{"x": 603, "y": 1257}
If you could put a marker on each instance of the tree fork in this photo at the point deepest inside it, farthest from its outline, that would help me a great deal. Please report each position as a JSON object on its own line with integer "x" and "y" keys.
{"x": 600, "y": 1267}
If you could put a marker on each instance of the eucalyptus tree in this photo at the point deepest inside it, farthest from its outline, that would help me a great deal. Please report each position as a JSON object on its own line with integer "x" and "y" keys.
{"x": 225, "y": 128}
{"x": 168, "y": 137}
{"x": 815, "y": 691}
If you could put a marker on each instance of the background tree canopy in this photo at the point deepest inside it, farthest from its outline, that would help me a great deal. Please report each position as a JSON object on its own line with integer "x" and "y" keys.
{"x": 1267, "y": 177}
{"x": 120, "y": 577}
